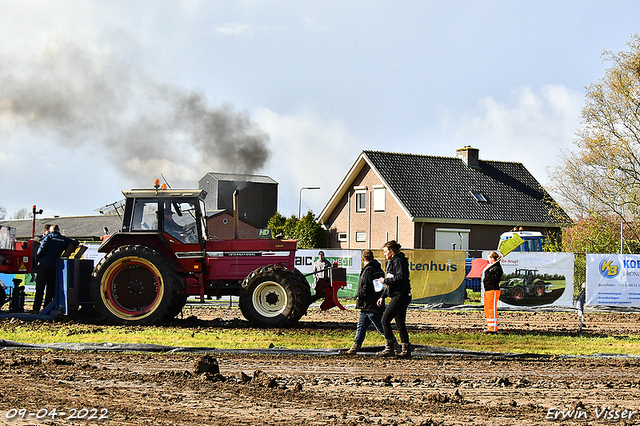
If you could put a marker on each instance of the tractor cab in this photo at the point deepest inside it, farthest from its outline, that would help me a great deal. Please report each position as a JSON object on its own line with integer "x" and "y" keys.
{"x": 532, "y": 240}
{"x": 176, "y": 215}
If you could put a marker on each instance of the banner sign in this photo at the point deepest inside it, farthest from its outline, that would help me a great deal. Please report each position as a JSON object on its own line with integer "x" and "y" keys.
{"x": 350, "y": 259}
{"x": 437, "y": 276}
{"x": 613, "y": 279}
{"x": 28, "y": 280}
{"x": 536, "y": 279}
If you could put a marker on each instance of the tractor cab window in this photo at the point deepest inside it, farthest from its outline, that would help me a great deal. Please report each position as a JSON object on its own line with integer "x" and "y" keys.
{"x": 145, "y": 216}
{"x": 180, "y": 221}
{"x": 531, "y": 244}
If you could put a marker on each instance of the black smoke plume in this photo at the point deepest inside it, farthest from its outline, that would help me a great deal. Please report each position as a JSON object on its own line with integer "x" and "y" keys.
{"x": 91, "y": 98}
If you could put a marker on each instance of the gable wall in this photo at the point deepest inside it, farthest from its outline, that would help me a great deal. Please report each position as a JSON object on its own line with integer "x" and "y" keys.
{"x": 379, "y": 227}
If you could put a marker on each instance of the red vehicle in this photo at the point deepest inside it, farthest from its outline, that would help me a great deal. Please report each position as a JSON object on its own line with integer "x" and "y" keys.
{"x": 163, "y": 254}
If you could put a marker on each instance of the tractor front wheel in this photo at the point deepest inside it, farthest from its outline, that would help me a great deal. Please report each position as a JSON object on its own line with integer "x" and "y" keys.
{"x": 135, "y": 285}
{"x": 274, "y": 296}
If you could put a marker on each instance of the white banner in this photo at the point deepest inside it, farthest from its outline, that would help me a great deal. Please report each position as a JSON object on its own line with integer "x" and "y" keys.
{"x": 536, "y": 279}
{"x": 613, "y": 279}
{"x": 350, "y": 259}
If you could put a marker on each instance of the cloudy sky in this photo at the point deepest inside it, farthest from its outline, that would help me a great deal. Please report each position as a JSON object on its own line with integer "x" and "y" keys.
{"x": 101, "y": 96}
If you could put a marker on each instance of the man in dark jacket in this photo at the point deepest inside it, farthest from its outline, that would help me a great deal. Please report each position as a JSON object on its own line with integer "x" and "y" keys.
{"x": 52, "y": 246}
{"x": 366, "y": 300}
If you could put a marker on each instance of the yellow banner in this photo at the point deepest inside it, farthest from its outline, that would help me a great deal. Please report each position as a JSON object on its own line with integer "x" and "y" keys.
{"x": 432, "y": 272}
{"x": 507, "y": 246}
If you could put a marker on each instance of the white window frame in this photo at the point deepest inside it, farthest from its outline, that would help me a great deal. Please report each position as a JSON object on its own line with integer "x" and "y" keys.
{"x": 360, "y": 197}
{"x": 342, "y": 236}
{"x": 379, "y": 198}
{"x": 361, "y": 237}
{"x": 479, "y": 197}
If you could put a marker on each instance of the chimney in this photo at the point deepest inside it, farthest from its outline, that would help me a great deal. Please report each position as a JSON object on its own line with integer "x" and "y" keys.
{"x": 469, "y": 156}
{"x": 235, "y": 214}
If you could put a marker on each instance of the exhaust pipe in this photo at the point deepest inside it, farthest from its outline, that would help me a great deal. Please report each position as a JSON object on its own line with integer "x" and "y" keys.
{"x": 235, "y": 214}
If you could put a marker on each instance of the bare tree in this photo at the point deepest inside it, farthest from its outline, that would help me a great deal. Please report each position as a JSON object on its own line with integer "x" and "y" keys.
{"x": 602, "y": 176}
{"x": 3, "y": 212}
{"x": 23, "y": 213}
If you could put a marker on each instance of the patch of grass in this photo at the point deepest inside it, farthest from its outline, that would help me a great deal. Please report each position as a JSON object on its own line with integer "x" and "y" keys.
{"x": 252, "y": 338}
{"x": 533, "y": 343}
{"x": 213, "y": 337}
{"x": 473, "y": 297}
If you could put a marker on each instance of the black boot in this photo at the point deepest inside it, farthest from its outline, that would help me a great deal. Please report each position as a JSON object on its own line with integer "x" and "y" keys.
{"x": 405, "y": 350}
{"x": 389, "y": 348}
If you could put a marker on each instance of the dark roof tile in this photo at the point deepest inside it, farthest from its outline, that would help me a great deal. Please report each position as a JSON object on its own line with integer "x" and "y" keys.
{"x": 441, "y": 187}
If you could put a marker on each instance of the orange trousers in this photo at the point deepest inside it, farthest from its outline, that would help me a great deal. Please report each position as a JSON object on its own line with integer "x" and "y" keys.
{"x": 491, "y": 298}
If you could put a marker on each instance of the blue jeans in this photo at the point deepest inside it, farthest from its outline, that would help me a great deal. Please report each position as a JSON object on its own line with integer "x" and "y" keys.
{"x": 365, "y": 319}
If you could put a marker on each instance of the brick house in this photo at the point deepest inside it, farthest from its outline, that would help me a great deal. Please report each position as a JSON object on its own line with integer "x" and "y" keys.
{"x": 431, "y": 202}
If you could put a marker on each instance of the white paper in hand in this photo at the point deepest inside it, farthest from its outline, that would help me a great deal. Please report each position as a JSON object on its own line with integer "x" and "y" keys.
{"x": 377, "y": 285}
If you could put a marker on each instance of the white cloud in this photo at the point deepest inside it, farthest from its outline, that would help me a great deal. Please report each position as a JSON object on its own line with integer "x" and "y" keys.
{"x": 236, "y": 29}
{"x": 8, "y": 157}
{"x": 532, "y": 127}
{"x": 307, "y": 150}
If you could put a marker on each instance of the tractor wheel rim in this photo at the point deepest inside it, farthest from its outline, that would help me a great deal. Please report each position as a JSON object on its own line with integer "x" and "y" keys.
{"x": 269, "y": 299}
{"x": 132, "y": 287}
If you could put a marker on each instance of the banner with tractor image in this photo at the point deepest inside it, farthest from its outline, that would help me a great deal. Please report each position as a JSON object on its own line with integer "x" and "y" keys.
{"x": 536, "y": 279}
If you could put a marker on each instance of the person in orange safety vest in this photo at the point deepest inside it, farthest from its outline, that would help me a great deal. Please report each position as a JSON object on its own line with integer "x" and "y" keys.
{"x": 491, "y": 276}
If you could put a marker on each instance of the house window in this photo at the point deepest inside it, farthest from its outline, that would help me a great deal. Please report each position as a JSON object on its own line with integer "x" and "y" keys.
{"x": 361, "y": 237}
{"x": 479, "y": 197}
{"x": 379, "y": 195}
{"x": 361, "y": 199}
{"x": 342, "y": 236}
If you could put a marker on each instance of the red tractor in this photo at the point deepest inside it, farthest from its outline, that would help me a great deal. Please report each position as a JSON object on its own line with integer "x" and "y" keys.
{"x": 162, "y": 255}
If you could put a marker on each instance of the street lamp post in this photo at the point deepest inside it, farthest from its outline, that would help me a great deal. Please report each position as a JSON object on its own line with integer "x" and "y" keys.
{"x": 300, "y": 198}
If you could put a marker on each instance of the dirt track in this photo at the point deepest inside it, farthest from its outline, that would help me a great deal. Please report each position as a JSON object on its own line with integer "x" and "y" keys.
{"x": 183, "y": 389}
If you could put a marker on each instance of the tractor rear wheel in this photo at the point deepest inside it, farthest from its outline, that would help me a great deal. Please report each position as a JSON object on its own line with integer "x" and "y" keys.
{"x": 274, "y": 296}
{"x": 518, "y": 293}
{"x": 134, "y": 285}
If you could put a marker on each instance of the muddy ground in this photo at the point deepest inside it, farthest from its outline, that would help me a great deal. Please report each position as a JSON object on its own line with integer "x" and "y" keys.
{"x": 247, "y": 389}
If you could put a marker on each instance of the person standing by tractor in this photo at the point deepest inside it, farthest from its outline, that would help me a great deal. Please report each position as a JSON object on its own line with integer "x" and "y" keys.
{"x": 366, "y": 300}
{"x": 321, "y": 268}
{"x": 491, "y": 276}
{"x": 45, "y": 231}
{"x": 51, "y": 247}
{"x": 398, "y": 288}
